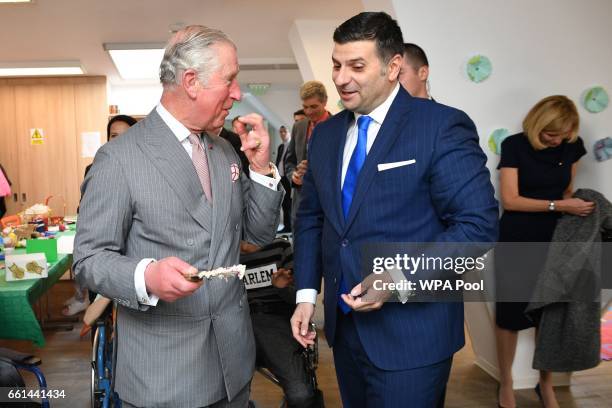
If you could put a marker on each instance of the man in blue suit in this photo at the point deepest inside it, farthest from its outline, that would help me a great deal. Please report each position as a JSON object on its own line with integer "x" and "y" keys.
{"x": 389, "y": 168}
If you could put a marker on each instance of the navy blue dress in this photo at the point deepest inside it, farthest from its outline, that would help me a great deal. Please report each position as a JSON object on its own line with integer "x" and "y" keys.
{"x": 543, "y": 175}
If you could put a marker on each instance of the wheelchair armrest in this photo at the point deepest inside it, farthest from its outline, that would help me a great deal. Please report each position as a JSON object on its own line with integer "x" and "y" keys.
{"x": 268, "y": 374}
{"x": 19, "y": 358}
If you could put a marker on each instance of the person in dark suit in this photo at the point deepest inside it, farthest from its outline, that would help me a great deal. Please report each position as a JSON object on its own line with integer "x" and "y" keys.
{"x": 414, "y": 73}
{"x": 314, "y": 99}
{"x": 234, "y": 140}
{"x": 389, "y": 168}
{"x": 280, "y": 165}
{"x": 298, "y": 115}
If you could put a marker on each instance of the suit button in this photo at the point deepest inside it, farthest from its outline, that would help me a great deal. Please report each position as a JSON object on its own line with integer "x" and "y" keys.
{"x": 345, "y": 242}
{"x": 236, "y": 227}
{"x": 190, "y": 242}
{"x": 335, "y": 280}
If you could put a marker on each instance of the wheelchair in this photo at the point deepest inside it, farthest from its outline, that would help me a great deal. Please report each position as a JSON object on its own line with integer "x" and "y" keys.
{"x": 311, "y": 361}
{"x": 102, "y": 362}
{"x": 10, "y": 363}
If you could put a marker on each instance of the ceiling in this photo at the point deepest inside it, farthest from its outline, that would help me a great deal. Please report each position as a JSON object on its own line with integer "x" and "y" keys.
{"x": 52, "y": 30}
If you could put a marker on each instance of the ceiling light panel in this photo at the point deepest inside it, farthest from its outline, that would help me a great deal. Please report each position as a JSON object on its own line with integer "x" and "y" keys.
{"x": 41, "y": 68}
{"x": 136, "y": 61}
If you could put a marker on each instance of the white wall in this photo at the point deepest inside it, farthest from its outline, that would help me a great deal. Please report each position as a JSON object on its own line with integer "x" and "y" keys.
{"x": 537, "y": 48}
{"x": 283, "y": 101}
{"x": 137, "y": 100}
{"x": 276, "y": 106}
{"x": 379, "y": 5}
{"x": 267, "y": 106}
{"x": 312, "y": 44}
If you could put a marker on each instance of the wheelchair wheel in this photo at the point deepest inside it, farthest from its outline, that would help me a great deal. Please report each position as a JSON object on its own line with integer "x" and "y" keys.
{"x": 94, "y": 392}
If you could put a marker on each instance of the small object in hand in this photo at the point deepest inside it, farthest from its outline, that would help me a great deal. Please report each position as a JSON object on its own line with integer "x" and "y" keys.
{"x": 229, "y": 272}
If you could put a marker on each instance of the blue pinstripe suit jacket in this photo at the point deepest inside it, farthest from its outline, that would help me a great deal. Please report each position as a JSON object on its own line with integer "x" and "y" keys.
{"x": 445, "y": 196}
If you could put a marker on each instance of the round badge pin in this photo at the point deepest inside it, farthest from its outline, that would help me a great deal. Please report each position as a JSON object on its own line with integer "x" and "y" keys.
{"x": 235, "y": 169}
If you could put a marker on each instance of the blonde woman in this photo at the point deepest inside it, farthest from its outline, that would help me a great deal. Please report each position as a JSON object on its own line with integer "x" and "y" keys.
{"x": 537, "y": 170}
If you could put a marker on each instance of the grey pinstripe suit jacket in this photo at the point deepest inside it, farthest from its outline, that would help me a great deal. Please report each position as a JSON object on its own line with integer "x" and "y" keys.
{"x": 296, "y": 152}
{"x": 143, "y": 199}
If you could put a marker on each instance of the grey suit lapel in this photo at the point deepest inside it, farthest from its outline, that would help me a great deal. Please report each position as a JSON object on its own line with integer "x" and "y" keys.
{"x": 300, "y": 142}
{"x": 220, "y": 175}
{"x": 173, "y": 162}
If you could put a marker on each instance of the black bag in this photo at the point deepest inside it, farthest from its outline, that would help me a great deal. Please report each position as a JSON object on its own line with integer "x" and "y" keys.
{"x": 606, "y": 260}
{"x": 11, "y": 378}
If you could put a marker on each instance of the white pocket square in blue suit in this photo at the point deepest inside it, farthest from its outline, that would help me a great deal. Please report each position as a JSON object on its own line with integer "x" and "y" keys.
{"x": 393, "y": 165}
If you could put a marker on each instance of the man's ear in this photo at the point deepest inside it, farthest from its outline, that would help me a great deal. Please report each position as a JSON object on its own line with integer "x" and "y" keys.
{"x": 190, "y": 82}
{"x": 423, "y": 73}
{"x": 394, "y": 66}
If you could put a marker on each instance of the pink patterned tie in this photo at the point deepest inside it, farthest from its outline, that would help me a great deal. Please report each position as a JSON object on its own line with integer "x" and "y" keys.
{"x": 200, "y": 162}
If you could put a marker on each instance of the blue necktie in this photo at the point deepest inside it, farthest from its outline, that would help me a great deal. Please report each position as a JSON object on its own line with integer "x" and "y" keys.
{"x": 350, "y": 183}
{"x": 356, "y": 163}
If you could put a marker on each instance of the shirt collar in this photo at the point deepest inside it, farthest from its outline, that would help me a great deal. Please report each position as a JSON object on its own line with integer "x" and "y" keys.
{"x": 178, "y": 129}
{"x": 323, "y": 118}
{"x": 380, "y": 112}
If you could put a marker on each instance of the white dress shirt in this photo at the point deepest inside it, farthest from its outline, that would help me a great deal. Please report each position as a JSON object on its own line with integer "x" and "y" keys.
{"x": 182, "y": 134}
{"x": 378, "y": 116}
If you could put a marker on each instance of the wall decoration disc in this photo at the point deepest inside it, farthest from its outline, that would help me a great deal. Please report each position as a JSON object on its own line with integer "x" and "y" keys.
{"x": 595, "y": 99}
{"x": 479, "y": 68}
{"x": 496, "y": 138}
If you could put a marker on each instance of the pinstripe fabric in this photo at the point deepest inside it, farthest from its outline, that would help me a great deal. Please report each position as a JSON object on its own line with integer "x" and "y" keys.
{"x": 200, "y": 162}
{"x": 143, "y": 199}
{"x": 363, "y": 385}
{"x": 296, "y": 152}
{"x": 445, "y": 196}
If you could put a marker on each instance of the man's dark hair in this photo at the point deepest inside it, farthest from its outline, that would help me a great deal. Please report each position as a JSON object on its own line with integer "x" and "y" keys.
{"x": 282, "y": 127}
{"x": 119, "y": 118}
{"x": 235, "y": 119}
{"x": 299, "y": 112}
{"x": 415, "y": 56}
{"x": 373, "y": 26}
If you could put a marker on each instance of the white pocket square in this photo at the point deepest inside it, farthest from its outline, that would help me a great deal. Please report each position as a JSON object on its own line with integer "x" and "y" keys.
{"x": 387, "y": 166}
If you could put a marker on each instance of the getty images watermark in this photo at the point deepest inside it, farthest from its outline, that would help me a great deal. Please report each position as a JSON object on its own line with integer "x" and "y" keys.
{"x": 538, "y": 272}
{"x": 401, "y": 264}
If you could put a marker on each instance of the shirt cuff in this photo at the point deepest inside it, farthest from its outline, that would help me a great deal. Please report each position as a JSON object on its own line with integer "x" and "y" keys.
{"x": 141, "y": 287}
{"x": 306, "y": 296}
{"x": 270, "y": 182}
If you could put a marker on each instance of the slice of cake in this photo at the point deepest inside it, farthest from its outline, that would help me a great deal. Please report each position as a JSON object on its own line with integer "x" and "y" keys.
{"x": 229, "y": 272}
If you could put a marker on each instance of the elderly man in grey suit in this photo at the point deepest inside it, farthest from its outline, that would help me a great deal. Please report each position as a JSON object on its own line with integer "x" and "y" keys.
{"x": 314, "y": 98}
{"x": 164, "y": 201}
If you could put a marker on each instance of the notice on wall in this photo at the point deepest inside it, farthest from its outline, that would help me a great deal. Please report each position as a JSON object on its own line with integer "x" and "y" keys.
{"x": 90, "y": 143}
{"x": 37, "y": 137}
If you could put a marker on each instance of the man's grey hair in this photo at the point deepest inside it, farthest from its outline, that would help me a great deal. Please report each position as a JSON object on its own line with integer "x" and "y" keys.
{"x": 191, "y": 48}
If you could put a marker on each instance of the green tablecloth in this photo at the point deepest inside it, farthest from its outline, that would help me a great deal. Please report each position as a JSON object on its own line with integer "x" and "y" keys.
{"x": 17, "y": 318}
